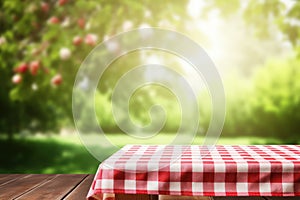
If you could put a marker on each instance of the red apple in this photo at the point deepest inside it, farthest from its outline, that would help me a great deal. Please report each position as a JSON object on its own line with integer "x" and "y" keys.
{"x": 77, "y": 40}
{"x": 34, "y": 67}
{"x": 91, "y": 39}
{"x": 45, "y": 7}
{"x": 16, "y": 79}
{"x": 62, "y": 2}
{"x": 53, "y": 20}
{"x": 56, "y": 80}
{"x": 81, "y": 23}
{"x": 22, "y": 68}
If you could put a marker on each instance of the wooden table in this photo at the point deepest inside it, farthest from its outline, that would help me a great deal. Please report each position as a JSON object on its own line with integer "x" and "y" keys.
{"x": 44, "y": 186}
{"x": 72, "y": 187}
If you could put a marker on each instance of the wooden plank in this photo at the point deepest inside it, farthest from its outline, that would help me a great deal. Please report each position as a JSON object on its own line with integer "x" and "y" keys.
{"x": 56, "y": 188}
{"x": 16, "y": 188}
{"x": 80, "y": 192}
{"x": 135, "y": 197}
{"x": 255, "y": 198}
{"x": 238, "y": 198}
{"x": 7, "y": 178}
{"x": 171, "y": 197}
{"x": 3, "y": 175}
{"x": 282, "y": 198}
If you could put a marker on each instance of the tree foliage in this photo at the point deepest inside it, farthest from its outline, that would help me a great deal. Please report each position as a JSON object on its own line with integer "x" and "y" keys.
{"x": 43, "y": 43}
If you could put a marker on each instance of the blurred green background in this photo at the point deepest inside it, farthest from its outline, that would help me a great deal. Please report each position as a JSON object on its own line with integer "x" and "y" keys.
{"x": 254, "y": 44}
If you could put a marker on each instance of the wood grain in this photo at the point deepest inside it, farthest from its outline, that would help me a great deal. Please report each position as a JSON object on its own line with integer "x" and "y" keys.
{"x": 80, "y": 192}
{"x": 169, "y": 197}
{"x": 16, "y": 188}
{"x": 135, "y": 197}
{"x": 56, "y": 188}
{"x": 7, "y": 178}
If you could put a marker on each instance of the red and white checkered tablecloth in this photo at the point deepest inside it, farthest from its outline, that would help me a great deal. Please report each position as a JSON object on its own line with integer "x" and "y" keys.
{"x": 230, "y": 170}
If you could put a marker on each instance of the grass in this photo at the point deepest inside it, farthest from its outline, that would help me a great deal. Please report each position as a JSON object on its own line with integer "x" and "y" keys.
{"x": 66, "y": 154}
{"x": 122, "y": 139}
{"x": 45, "y": 155}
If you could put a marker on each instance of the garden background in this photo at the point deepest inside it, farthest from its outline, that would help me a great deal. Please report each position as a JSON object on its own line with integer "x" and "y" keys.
{"x": 254, "y": 44}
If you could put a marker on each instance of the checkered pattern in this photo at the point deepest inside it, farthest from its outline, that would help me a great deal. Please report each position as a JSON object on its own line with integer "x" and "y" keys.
{"x": 269, "y": 170}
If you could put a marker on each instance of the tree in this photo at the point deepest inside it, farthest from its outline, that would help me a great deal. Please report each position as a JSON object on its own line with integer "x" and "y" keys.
{"x": 263, "y": 16}
{"x": 43, "y": 43}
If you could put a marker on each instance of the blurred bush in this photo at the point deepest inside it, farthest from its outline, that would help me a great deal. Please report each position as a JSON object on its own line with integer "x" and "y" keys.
{"x": 276, "y": 101}
{"x": 270, "y": 106}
